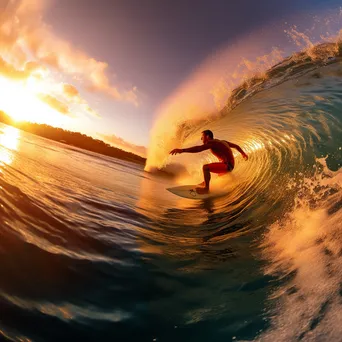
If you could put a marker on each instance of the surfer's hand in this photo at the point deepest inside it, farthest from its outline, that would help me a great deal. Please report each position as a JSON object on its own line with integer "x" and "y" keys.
{"x": 245, "y": 157}
{"x": 176, "y": 151}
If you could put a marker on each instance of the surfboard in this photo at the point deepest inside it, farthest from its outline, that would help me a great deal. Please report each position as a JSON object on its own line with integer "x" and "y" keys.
{"x": 189, "y": 191}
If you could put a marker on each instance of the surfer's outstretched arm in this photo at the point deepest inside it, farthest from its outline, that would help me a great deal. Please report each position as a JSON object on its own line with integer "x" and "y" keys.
{"x": 194, "y": 149}
{"x": 237, "y": 147}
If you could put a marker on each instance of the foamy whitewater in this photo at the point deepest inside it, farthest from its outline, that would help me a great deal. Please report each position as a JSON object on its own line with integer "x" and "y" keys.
{"x": 95, "y": 249}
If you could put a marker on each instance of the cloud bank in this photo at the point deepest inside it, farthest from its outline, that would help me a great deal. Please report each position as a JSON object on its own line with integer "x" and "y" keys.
{"x": 24, "y": 34}
{"x": 123, "y": 144}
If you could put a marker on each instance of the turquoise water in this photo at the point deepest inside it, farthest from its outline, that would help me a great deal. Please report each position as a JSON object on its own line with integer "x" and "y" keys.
{"x": 95, "y": 249}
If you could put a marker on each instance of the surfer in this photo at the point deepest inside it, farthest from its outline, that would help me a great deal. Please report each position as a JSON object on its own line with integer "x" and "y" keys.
{"x": 221, "y": 149}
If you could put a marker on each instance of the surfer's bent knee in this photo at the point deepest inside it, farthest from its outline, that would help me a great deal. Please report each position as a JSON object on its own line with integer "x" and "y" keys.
{"x": 206, "y": 168}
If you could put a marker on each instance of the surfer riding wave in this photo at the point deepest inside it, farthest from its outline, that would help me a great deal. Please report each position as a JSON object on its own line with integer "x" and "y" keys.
{"x": 222, "y": 149}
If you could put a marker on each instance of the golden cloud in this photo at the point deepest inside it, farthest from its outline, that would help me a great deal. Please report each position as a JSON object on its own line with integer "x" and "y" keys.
{"x": 123, "y": 144}
{"x": 54, "y": 103}
{"x": 23, "y": 29}
{"x": 51, "y": 60}
{"x": 32, "y": 66}
{"x": 73, "y": 95}
{"x": 70, "y": 91}
{"x": 9, "y": 71}
{"x": 92, "y": 112}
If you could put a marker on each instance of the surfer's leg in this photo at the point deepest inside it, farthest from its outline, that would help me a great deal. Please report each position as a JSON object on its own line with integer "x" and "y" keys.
{"x": 206, "y": 174}
{"x": 213, "y": 167}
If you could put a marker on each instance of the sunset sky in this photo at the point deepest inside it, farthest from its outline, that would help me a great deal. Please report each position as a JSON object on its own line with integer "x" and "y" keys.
{"x": 104, "y": 67}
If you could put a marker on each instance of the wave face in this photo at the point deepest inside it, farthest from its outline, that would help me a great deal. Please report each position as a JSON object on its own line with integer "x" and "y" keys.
{"x": 289, "y": 122}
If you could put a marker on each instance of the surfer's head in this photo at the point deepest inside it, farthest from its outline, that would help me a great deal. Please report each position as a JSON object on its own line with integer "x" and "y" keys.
{"x": 207, "y": 135}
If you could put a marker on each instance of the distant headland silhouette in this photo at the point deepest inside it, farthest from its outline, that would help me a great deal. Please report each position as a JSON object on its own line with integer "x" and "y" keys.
{"x": 72, "y": 138}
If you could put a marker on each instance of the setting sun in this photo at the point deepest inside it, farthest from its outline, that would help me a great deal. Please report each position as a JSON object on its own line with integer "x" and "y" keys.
{"x": 20, "y": 100}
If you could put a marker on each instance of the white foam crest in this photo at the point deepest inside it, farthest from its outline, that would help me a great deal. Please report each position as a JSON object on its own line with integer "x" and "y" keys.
{"x": 306, "y": 245}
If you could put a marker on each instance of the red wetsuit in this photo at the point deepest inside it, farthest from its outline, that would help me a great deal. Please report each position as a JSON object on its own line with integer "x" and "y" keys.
{"x": 221, "y": 149}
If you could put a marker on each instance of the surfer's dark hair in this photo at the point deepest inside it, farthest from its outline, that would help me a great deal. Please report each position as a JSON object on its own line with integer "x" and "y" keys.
{"x": 209, "y": 133}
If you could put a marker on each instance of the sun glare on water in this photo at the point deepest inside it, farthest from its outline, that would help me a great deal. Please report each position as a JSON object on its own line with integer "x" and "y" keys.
{"x": 9, "y": 137}
{"x": 20, "y": 101}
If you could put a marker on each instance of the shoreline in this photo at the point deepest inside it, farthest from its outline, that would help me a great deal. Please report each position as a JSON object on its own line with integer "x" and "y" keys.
{"x": 74, "y": 139}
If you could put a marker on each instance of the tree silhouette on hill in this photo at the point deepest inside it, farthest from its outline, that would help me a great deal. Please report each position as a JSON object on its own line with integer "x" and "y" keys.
{"x": 72, "y": 138}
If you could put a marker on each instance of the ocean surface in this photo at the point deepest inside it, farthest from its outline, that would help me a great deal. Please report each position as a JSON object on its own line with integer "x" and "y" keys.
{"x": 96, "y": 249}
